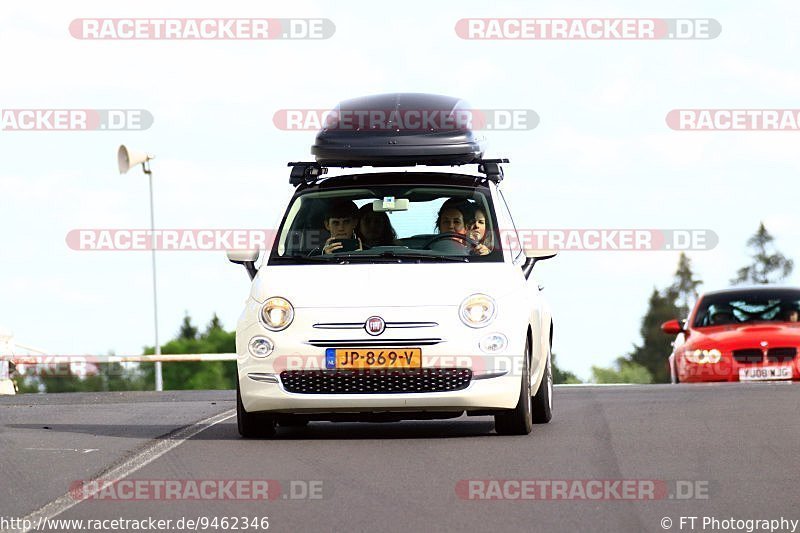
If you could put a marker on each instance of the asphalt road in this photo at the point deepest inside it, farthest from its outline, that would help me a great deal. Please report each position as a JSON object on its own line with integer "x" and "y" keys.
{"x": 736, "y": 446}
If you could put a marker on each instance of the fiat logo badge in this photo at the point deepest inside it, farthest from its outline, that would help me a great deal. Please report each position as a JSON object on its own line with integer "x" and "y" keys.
{"x": 375, "y": 325}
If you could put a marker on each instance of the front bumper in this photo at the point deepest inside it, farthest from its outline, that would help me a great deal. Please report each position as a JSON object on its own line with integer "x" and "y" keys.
{"x": 500, "y": 392}
{"x": 727, "y": 370}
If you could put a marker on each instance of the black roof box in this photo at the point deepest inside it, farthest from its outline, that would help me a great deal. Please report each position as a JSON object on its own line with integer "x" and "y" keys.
{"x": 399, "y": 129}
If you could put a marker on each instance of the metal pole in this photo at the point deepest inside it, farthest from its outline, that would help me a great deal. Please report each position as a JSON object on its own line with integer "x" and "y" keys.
{"x": 6, "y": 385}
{"x": 159, "y": 380}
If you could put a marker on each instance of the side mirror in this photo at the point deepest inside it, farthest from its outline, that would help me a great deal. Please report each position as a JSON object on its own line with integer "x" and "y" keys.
{"x": 540, "y": 254}
{"x": 532, "y": 255}
{"x": 672, "y": 327}
{"x": 247, "y": 258}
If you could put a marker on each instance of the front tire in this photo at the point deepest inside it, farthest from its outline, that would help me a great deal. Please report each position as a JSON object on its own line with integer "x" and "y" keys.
{"x": 542, "y": 404}
{"x": 518, "y": 421}
{"x": 252, "y": 425}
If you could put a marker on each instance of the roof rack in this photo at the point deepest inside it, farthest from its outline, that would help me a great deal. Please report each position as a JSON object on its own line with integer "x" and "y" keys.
{"x": 308, "y": 172}
{"x": 305, "y": 172}
{"x": 492, "y": 168}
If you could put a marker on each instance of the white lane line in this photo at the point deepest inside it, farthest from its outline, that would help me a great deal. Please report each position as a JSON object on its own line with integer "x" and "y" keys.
{"x": 126, "y": 468}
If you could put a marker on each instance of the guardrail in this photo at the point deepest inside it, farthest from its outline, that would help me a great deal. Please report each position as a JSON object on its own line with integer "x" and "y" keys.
{"x": 7, "y": 385}
{"x": 164, "y": 358}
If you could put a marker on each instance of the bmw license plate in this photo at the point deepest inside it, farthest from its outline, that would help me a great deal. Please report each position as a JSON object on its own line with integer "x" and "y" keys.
{"x": 365, "y": 358}
{"x": 765, "y": 373}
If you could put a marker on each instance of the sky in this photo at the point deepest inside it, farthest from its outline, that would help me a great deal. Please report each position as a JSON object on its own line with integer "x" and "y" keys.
{"x": 602, "y": 155}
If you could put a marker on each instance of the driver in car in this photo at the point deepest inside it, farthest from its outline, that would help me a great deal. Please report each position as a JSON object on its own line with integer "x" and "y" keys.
{"x": 451, "y": 219}
{"x": 340, "y": 221}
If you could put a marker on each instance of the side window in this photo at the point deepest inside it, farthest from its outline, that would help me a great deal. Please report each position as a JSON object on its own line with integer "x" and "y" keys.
{"x": 508, "y": 235}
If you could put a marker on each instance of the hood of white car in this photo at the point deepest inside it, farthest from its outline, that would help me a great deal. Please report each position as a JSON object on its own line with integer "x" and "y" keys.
{"x": 371, "y": 285}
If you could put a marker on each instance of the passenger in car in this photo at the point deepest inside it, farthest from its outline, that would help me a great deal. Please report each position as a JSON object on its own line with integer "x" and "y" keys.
{"x": 341, "y": 219}
{"x": 454, "y": 216}
{"x": 374, "y": 227}
{"x": 476, "y": 222}
{"x": 792, "y": 315}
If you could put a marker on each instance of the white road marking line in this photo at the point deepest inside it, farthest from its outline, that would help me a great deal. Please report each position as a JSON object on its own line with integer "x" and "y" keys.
{"x": 127, "y": 467}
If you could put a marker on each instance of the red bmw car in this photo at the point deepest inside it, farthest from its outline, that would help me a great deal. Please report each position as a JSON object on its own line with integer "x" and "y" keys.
{"x": 742, "y": 334}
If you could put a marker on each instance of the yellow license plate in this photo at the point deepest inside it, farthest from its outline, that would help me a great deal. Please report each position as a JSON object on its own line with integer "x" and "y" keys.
{"x": 364, "y": 358}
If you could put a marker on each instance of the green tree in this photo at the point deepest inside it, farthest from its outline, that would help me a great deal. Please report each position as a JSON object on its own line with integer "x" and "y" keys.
{"x": 674, "y": 301}
{"x": 214, "y": 323}
{"x": 123, "y": 377}
{"x": 684, "y": 289}
{"x": 625, "y": 371}
{"x": 562, "y": 376}
{"x": 655, "y": 348}
{"x": 188, "y": 331}
{"x": 768, "y": 264}
{"x": 196, "y": 374}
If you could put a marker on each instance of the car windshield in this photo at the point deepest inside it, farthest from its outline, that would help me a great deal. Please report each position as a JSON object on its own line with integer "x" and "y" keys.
{"x": 736, "y": 307}
{"x": 389, "y": 224}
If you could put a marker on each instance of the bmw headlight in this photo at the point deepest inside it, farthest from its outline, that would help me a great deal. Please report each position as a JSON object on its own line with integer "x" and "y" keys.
{"x": 477, "y": 311}
{"x": 276, "y": 314}
{"x": 703, "y": 356}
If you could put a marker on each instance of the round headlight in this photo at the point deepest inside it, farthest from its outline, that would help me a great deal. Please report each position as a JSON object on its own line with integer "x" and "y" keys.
{"x": 260, "y": 346}
{"x": 477, "y": 311}
{"x": 277, "y": 314}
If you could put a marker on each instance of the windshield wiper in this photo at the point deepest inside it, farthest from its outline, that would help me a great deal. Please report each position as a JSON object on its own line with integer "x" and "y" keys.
{"x": 384, "y": 256}
{"x": 333, "y": 258}
{"x": 304, "y": 257}
{"x": 411, "y": 255}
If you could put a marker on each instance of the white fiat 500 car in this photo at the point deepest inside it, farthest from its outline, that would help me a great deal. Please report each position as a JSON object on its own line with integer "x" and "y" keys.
{"x": 403, "y": 294}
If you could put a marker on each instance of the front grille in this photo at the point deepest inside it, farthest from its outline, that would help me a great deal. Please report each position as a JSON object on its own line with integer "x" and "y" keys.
{"x": 774, "y": 355}
{"x": 376, "y": 342}
{"x": 748, "y": 356}
{"x": 781, "y": 355}
{"x": 376, "y": 381}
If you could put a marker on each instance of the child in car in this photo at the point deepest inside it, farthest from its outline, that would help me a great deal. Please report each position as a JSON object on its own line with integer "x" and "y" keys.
{"x": 341, "y": 220}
